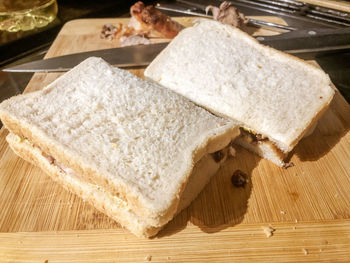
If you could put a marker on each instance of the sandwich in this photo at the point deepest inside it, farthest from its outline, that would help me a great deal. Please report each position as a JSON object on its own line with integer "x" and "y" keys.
{"x": 275, "y": 98}
{"x": 136, "y": 151}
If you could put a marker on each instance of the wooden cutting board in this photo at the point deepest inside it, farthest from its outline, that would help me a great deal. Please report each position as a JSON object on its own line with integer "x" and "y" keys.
{"x": 307, "y": 205}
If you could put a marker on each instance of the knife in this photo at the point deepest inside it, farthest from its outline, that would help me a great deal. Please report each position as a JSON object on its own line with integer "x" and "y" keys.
{"x": 306, "y": 44}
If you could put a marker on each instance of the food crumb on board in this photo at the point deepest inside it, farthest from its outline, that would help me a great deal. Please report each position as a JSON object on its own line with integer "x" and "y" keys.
{"x": 148, "y": 258}
{"x": 305, "y": 251}
{"x": 296, "y": 220}
{"x": 283, "y": 212}
{"x": 239, "y": 179}
{"x": 268, "y": 230}
{"x": 232, "y": 151}
{"x": 336, "y": 195}
{"x": 294, "y": 227}
{"x": 287, "y": 165}
{"x": 46, "y": 261}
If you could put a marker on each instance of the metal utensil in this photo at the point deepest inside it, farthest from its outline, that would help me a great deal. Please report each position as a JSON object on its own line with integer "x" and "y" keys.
{"x": 302, "y": 43}
{"x": 196, "y": 12}
{"x": 139, "y": 55}
{"x": 296, "y": 10}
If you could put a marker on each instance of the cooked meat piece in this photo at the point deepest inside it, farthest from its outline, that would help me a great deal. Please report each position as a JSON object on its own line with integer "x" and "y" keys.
{"x": 149, "y": 19}
{"x": 227, "y": 14}
{"x": 109, "y": 31}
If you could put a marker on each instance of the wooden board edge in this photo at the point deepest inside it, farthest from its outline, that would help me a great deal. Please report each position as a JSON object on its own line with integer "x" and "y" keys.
{"x": 327, "y": 241}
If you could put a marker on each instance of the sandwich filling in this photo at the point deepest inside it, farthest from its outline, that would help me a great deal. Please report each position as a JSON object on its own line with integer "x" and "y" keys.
{"x": 261, "y": 145}
{"x": 264, "y": 147}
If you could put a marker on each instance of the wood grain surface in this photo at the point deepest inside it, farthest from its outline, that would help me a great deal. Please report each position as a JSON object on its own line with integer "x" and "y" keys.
{"x": 328, "y": 241}
{"x": 307, "y": 205}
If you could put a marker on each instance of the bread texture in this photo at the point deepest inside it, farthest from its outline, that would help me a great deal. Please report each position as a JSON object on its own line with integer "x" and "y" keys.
{"x": 133, "y": 139}
{"x": 228, "y": 72}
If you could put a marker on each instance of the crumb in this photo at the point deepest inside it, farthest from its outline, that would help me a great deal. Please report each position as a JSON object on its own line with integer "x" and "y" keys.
{"x": 336, "y": 195}
{"x": 283, "y": 212}
{"x": 46, "y": 261}
{"x": 305, "y": 251}
{"x": 168, "y": 257}
{"x": 239, "y": 179}
{"x": 148, "y": 258}
{"x": 296, "y": 221}
{"x": 321, "y": 250}
{"x": 18, "y": 139}
{"x": 294, "y": 228}
{"x": 268, "y": 230}
{"x": 287, "y": 165}
{"x": 218, "y": 156}
{"x": 232, "y": 151}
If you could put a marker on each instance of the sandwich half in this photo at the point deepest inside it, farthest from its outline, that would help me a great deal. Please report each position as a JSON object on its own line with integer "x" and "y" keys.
{"x": 276, "y": 98}
{"x": 136, "y": 151}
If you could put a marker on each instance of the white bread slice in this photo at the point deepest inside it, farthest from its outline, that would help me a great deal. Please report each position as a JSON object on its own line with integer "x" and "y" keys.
{"x": 229, "y": 73}
{"x": 101, "y": 199}
{"x": 135, "y": 139}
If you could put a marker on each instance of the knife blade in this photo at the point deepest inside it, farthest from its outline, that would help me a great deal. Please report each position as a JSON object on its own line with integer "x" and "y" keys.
{"x": 306, "y": 44}
{"x": 131, "y": 56}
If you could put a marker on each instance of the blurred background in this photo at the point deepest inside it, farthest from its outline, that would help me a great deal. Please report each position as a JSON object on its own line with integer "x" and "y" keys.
{"x": 21, "y": 46}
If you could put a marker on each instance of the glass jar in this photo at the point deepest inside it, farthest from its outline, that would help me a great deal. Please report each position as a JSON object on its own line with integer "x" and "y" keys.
{"x": 16, "y": 15}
